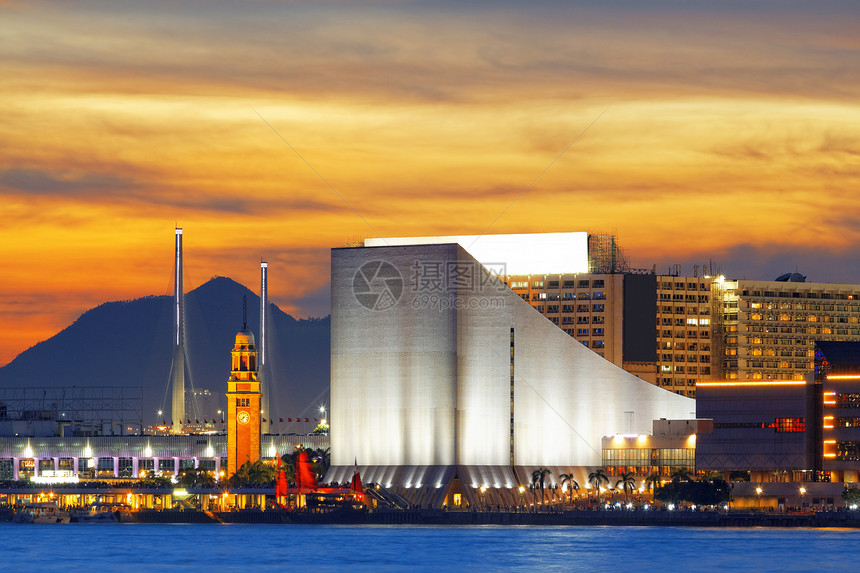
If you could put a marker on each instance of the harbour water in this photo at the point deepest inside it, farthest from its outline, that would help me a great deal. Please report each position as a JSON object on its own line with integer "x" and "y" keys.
{"x": 316, "y": 548}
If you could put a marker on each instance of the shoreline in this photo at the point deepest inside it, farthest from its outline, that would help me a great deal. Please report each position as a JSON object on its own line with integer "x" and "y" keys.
{"x": 711, "y": 519}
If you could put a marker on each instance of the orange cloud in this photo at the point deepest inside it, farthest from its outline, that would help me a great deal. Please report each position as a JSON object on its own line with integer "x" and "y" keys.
{"x": 716, "y": 130}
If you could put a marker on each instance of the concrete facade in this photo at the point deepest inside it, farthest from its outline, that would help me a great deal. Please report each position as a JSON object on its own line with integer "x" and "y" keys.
{"x": 435, "y": 362}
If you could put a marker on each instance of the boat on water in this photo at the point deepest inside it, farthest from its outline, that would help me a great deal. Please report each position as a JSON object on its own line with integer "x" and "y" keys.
{"x": 330, "y": 508}
{"x": 41, "y": 512}
{"x": 103, "y": 512}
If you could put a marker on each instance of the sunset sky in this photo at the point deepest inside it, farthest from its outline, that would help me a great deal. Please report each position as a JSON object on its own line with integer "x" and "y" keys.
{"x": 695, "y": 131}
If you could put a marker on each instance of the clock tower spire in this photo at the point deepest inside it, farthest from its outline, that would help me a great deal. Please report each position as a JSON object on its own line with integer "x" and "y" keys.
{"x": 243, "y": 403}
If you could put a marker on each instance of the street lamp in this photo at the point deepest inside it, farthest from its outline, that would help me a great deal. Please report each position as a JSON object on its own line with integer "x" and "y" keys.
{"x": 758, "y": 493}
{"x": 802, "y": 493}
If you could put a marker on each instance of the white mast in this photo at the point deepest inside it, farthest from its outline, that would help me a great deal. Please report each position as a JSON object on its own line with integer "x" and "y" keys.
{"x": 261, "y": 349}
{"x": 177, "y": 377}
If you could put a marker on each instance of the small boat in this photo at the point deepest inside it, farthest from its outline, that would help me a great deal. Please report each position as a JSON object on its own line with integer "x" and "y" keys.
{"x": 42, "y": 512}
{"x": 103, "y": 512}
{"x": 330, "y": 508}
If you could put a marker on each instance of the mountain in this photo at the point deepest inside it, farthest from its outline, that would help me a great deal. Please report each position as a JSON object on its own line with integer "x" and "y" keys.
{"x": 129, "y": 344}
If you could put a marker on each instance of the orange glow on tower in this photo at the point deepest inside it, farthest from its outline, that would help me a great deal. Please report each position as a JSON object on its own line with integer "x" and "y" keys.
{"x": 243, "y": 404}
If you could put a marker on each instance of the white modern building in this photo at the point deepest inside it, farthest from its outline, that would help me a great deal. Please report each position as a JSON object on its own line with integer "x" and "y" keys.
{"x": 445, "y": 381}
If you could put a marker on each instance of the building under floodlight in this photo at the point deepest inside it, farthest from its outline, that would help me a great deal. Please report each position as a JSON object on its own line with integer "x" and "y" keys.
{"x": 447, "y": 386}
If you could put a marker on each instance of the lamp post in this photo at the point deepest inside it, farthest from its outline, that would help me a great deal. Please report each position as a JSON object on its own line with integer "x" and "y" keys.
{"x": 758, "y": 493}
{"x": 802, "y": 493}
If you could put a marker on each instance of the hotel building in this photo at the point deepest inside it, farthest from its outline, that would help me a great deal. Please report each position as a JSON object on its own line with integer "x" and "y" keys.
{"x": 675, "y": 331}
{"x": 654, "y": 326}
{"x": 767, "y": 330}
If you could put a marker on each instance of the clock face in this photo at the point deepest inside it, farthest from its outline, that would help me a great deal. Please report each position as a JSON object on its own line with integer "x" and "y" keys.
{"x": 243, "y": 417}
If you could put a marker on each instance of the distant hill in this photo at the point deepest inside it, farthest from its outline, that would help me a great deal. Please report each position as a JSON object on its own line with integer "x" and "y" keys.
{"x": 128, "y": 343}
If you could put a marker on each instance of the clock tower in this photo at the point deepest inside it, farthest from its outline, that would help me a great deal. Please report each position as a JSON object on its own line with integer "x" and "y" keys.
{"x": 243, "y": 404}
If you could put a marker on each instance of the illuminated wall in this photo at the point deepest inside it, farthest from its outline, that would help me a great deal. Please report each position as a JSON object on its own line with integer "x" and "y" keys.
{"x": 759, "y": 425}
{"x": 421, "y": 370}
{"x": 534, "y": 253}
{"x": 393, "y": 368}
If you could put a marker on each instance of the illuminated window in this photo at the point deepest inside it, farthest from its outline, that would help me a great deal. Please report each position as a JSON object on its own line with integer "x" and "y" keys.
{"x": 848, "y": 451}
{"x": 849, "y": 400}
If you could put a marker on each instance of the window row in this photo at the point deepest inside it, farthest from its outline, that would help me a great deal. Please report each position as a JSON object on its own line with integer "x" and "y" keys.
{"x": 703, "y": 358}
{"x": 685, "y": 369}
{"x": 683, "y": 286}
{"x": 569, "y": 308}
{"x": 795, "y": 294}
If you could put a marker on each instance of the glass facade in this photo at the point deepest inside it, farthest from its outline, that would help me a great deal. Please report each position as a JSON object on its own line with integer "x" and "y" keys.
{"x": 647, "y": 461}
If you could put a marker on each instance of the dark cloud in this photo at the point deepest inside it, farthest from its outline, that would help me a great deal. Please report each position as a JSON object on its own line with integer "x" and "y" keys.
{"x": 41, "y": 182}
{"x": 445, "y": 52}
{"x": 314, "y": 304}
{"x": 766, "y": 262}
{"x": 98, "y": 187}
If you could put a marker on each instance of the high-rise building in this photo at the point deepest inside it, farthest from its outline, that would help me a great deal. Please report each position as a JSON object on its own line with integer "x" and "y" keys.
{"x": 675, "y": 331}
{"x": 768, "y": 329}
{"x": 684, "y": 332}
{"x": 656, "y": 327}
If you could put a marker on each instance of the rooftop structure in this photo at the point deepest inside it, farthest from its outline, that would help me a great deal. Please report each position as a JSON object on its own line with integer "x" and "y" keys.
{"x": 512, "y": 254}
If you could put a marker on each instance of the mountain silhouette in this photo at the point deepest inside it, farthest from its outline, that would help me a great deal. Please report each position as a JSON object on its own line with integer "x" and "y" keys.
{"x": 129, "y": 344}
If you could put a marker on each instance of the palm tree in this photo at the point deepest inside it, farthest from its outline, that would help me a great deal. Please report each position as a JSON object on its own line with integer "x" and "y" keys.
{"x": 628, "y": 482}
{"x": 321, "y": 459}
{"x": 538, "y": 479}
{"x": 196, "y": 478}
{"x": 567, "y": 479}
{"x": 596, "y": 479}
{"x": 652, "y": 481}
{"x": 680, "y": 475}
